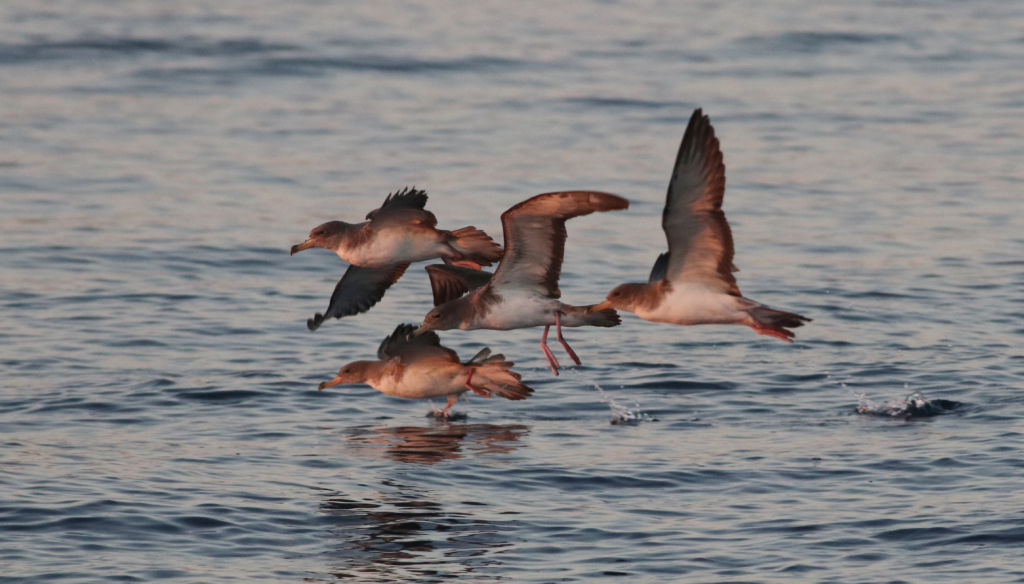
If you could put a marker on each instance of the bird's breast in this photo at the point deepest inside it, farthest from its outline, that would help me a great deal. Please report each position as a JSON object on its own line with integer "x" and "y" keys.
{"x": 427, "y": 379}
{"x": 694, "y": 304}
{"x": 514, "y": 310}
{"x": 392, "y": 246}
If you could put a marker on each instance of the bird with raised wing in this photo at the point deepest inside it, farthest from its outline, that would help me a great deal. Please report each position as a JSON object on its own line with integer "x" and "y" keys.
{"x": 414, "y": 366}
{"x": 379, "y": 250}
{"x": 523, "y": 291}
{"x": 693, "y": 282}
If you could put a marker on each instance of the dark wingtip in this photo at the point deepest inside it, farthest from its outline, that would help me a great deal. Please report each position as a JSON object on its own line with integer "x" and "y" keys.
{"x": 315, "y": 322}
{"x": 608, "y": 201}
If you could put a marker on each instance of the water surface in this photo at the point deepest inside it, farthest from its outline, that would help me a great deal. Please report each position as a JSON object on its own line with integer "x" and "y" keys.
{"x": 158, "y": 408}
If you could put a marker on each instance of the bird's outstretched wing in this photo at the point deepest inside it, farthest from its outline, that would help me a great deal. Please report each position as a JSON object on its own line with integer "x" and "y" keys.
{"x": 700, "y": 247}
{"x": 406, "y": 345}
{"x": 357, "y": 291}
{"x": 449, "y": 282}
{"x": 535, "y": 237}
{"x": 404, "y": 206}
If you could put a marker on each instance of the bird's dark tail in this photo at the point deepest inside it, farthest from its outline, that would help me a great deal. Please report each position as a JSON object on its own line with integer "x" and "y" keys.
{"x": 587, "y": 316}
{"x": 775, "y": 323}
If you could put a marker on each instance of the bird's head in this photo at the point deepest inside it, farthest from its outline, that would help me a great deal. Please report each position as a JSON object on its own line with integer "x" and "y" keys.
{"x": 324, "y": 235}
{"x": 624, "y": 297}
{"x": 354, "y": 372}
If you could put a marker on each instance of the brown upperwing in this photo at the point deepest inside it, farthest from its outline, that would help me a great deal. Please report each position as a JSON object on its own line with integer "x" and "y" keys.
{"x": 448, "y": 282}
{"x": 700, "y": 246}
{"x": 535, "y": 237}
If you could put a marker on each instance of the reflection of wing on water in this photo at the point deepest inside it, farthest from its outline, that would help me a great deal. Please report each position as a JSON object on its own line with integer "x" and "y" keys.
{"x": 432, "y": 444}
{"x": 384, "y": 530}
{"x": 424, "y": 445}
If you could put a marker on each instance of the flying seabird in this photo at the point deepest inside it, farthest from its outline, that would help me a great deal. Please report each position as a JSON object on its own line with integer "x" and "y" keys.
{"x": 417, "y": 366}
{"x": 693, "y": 282}
{"x": 523, "y": 291}
{"x": 380, "y": 249}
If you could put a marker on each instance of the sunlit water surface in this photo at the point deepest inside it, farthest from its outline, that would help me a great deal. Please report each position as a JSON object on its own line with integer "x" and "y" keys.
{"x": 158, "y": 404}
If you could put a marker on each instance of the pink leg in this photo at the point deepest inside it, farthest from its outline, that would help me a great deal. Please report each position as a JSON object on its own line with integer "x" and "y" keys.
{"x": 558, "y": 332}
{"x": 476, "y": 390}
{"x": 451, "y": 402}
{"x": 552, "y": 362}
{"x": 465, "y": 264}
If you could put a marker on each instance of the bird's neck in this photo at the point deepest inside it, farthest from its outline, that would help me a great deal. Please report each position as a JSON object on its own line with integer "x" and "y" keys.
{"x": 344, "y": 237}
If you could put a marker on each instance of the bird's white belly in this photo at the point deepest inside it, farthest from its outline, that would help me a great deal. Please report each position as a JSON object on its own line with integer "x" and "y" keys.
{"x": 696, "y": 304}
{"x": 516, "y": 311}
{"x": 392, "y": 247}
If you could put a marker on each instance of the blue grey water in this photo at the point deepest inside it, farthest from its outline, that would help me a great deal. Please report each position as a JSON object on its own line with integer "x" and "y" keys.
{"x": 158, "y": 406}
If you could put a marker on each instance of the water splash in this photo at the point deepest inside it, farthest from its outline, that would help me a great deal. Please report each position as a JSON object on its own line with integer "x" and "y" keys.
{"x": 620, "y": 414}
{"x": 915, "y": 405}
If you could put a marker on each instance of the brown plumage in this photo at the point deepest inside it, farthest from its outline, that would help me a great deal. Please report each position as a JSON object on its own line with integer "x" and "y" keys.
{"x": 380, "y": 249}
{"x": 693, "y": 282}
{"x": 418, "y": 366}
{"x": 523, "y": 291}
{"x": 448, "y": 282}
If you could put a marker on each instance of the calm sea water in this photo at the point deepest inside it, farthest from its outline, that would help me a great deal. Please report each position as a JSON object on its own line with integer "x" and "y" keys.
{"x": 158, "y": 406}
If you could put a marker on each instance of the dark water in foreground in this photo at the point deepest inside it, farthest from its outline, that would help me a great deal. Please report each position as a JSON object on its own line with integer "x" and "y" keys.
{"x": 158, "y": 407}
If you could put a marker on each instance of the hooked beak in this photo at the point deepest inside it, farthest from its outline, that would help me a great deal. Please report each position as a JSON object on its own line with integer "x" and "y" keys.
{"x": 330, "y": 383}
{"x": 301, "y": 246}
{"x": 602, "y": 306}
{"x": 422, "y": 329}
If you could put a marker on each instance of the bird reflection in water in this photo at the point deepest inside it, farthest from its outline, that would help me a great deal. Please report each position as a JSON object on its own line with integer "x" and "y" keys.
{"x": 432, "y": 444}
{"x": 401, "y": 532}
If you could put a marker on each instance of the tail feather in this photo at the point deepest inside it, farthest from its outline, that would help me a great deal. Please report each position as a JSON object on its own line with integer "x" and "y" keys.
{"x": 494, "y": 374}
{"x": 481, "y": 357}
{"x": 774, "y": 323}
{"x": 474, "y": 245}
{"x": 587, "y": 316}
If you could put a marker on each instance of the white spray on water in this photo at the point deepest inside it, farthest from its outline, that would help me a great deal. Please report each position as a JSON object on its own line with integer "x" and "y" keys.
{"x": 620, "y": 414}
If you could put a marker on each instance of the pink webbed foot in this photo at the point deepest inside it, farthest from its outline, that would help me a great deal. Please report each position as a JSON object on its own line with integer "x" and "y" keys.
{"x": 446, "y": 411}
{"x": 778, "y": 333}
{"x": 464, "y": 264}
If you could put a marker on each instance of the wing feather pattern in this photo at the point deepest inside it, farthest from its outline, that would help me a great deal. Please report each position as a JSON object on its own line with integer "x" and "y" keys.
{"x": 404, "y": 206}
{"x": 448, "y": 282}
{"x": 700, "y": 247}
{"x": 406, "y": 345}
{"x": 357, "y": 291}
{"x": 535, "y": 238}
